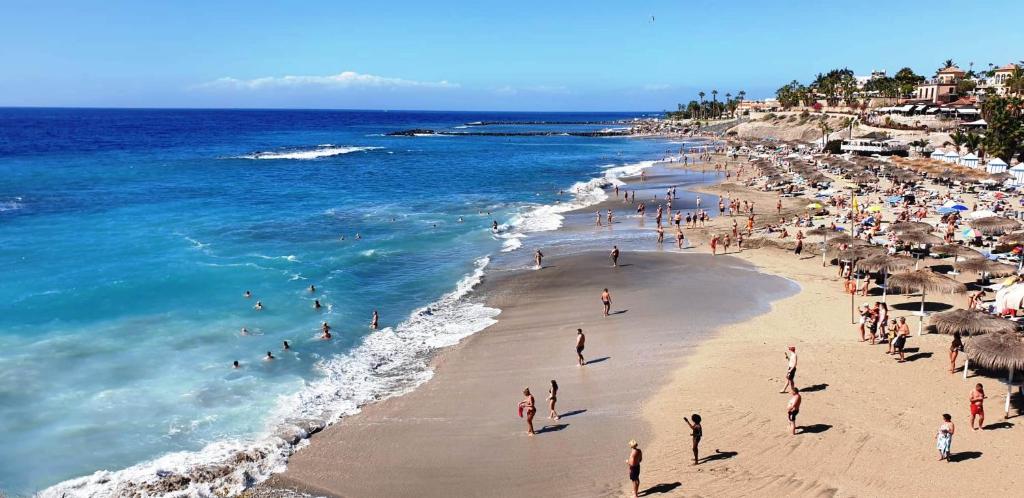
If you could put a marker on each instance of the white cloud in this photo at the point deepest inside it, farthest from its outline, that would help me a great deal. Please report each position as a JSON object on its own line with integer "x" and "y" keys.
{"x": 343, "y": 80}
{"x": 657, "y": 87}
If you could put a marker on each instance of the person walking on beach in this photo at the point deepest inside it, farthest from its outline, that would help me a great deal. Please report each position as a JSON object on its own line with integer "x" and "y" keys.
{"x": 610, "y": 216}
{"x": 977, "y": 400}
{"x": 954, "y": 350}
{"x": 598, "y": 214}
{"x": 537, "y": 258}
{"x": 528, "y": 407}
{"x": 633, "y": 464}
{"x": 791, "y": 361}
{"x": 726, "y": 242}
{"x": 375, "y": 320}
{"x": 902, "y": 332}
{"x": 696, "y": 433}
{"x": 552, "y": 399}
{"x": 581, "y": 342}
{"x": 615, "y": 256}
{"x": 679, "y": 239}
{"x": 944, "y": 437}
{"x": 606, "y": 300}
{"x": 661, "y": 235}
{"x": 793, "y": 408}
{"x": 714, "y": 245}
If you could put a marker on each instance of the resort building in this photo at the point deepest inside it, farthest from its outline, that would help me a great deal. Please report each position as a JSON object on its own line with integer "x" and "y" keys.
{"x": 997, "y": 83}
{"x": 942, "y": 88}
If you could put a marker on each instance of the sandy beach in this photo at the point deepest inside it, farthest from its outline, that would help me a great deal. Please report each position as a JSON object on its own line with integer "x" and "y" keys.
{"x": 689, "y": 342}
{"x": 459, "y": 433}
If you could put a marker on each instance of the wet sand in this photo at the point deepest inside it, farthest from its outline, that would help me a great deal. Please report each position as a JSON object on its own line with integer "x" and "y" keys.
{"x": 459, "y": 433}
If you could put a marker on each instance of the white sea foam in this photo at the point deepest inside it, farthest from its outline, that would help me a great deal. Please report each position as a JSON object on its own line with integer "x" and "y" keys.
{"x": 306, "y": 154}
{"x": 547, "y": 217}
{"x": 389, "y": 362}
{"x": 12, "y": 204}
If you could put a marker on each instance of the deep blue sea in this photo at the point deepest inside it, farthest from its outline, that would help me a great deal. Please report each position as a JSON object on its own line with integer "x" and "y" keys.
{"x": 128, "y": 237}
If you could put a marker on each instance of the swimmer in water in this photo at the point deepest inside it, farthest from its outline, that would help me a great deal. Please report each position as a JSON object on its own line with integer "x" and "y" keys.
{"x": 286, "y": 346}
{"x": 325, "y": 331}
{"x": 316, "y": 304}
{"x": 460, "y": 219}
{"x": 312, "y": 288}
{"x": 259, "y": 306}
{"x": 248, "y": 294}
{"x": 375, "y": 321}
{"x": 235, "y": 364}
{"x": 359, "y": 237}
{"x": 494, "y": 225}
{"x": 269, "y": 356}
{"x": 245, "y": 331}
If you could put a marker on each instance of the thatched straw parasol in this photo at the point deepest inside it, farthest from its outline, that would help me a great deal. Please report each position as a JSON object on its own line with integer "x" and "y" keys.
{"x": 924, "y": 281}
{"x": 910, "y": 226}
{"x": 986, "y": 266}
{"x": 918, "y": 238}
{"x": 994, "y": 225}
{"x": 846, "y": 240}
{"x": 997, "y": 352}
{"x": 886, "y": 264}
{"x": 970, "y": 322}
{"x": 1015, "y": 238}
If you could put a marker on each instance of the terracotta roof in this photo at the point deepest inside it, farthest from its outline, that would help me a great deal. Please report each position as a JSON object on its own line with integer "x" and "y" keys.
{"x": 953, "y": 70}
{"x": 1008, "y": 67}
{"x": 962, "y": 101}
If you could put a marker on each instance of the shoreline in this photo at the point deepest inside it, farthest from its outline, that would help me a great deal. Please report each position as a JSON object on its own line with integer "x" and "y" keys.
{"x": 456, "y": 420}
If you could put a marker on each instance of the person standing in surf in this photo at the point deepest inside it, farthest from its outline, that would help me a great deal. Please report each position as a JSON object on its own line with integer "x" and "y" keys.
{"x": 615, "y": 256}
{"x": 537, "y": 258}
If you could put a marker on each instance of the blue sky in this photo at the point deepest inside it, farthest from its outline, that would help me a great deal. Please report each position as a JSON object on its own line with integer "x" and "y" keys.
{"x": 472, "y": 55}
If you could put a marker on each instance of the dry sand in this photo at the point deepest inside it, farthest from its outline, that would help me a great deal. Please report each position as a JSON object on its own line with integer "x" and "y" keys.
{"x": 869, "y": 422}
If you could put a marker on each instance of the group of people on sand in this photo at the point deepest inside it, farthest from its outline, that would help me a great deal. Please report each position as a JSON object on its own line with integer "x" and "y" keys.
{"x": 325, "y": 328}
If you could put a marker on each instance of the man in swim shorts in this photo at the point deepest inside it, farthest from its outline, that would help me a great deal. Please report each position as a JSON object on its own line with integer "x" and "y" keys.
{"x": 793, "y": 409}
{"x": 633, "y": 463}
{"x": 790, "y": 369}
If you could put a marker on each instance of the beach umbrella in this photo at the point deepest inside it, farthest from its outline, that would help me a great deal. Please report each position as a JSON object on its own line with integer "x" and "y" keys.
{"x": 924, "y": 281}
{"x": 847, "y": 240}
{"x": 875, "y": 209}
{"x": 959, "y": 207}
{"x": 852, "y": 255}
{"x": 823, "y": 232}
{"x": 886, "y": 264}
{"x": 1015, "y": 238}
{"x": 814, "y": 205}
{"x": 945, "y": 210}
{"x": 970, "y": 233}
{"x": 997, "y": 352}
{"x": 970, "y": 322}
{"x": 984, "y": 213}
{"x": 994, "y": 225}
{"x": 910, "y": 226}
{"x": 918, "y": 238}
{"x": 986, "y": 267}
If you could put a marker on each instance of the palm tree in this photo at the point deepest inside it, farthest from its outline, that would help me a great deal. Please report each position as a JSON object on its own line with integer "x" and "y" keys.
{"x": 728, "y": 100}
{"x": 958, "y": 139}
{"x": 825, "y": 130}
{"x": 948, "y": 64}
{"x": 701, "y": 95}
{"x": 973, "y": 142}
{"x": 714, "y": 98}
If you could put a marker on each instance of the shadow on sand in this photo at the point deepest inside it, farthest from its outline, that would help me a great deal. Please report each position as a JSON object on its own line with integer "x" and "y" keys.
{"x": 660, "y": 488}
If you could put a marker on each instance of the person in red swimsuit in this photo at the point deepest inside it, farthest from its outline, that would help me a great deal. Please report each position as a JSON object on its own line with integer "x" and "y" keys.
{"x": 978, "y": 406}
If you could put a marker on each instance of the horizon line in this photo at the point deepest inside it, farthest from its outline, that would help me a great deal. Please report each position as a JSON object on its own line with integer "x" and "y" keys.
{"x": 325, "y": 109}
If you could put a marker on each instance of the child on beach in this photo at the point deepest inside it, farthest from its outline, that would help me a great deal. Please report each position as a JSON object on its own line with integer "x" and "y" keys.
{"x": 696, "y": 433}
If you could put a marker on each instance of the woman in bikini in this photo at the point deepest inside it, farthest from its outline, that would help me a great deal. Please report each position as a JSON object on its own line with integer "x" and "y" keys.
{"x": 954, "y": 350}
{"x": 552, "y": 399}
{"x": 527, "y": 406}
